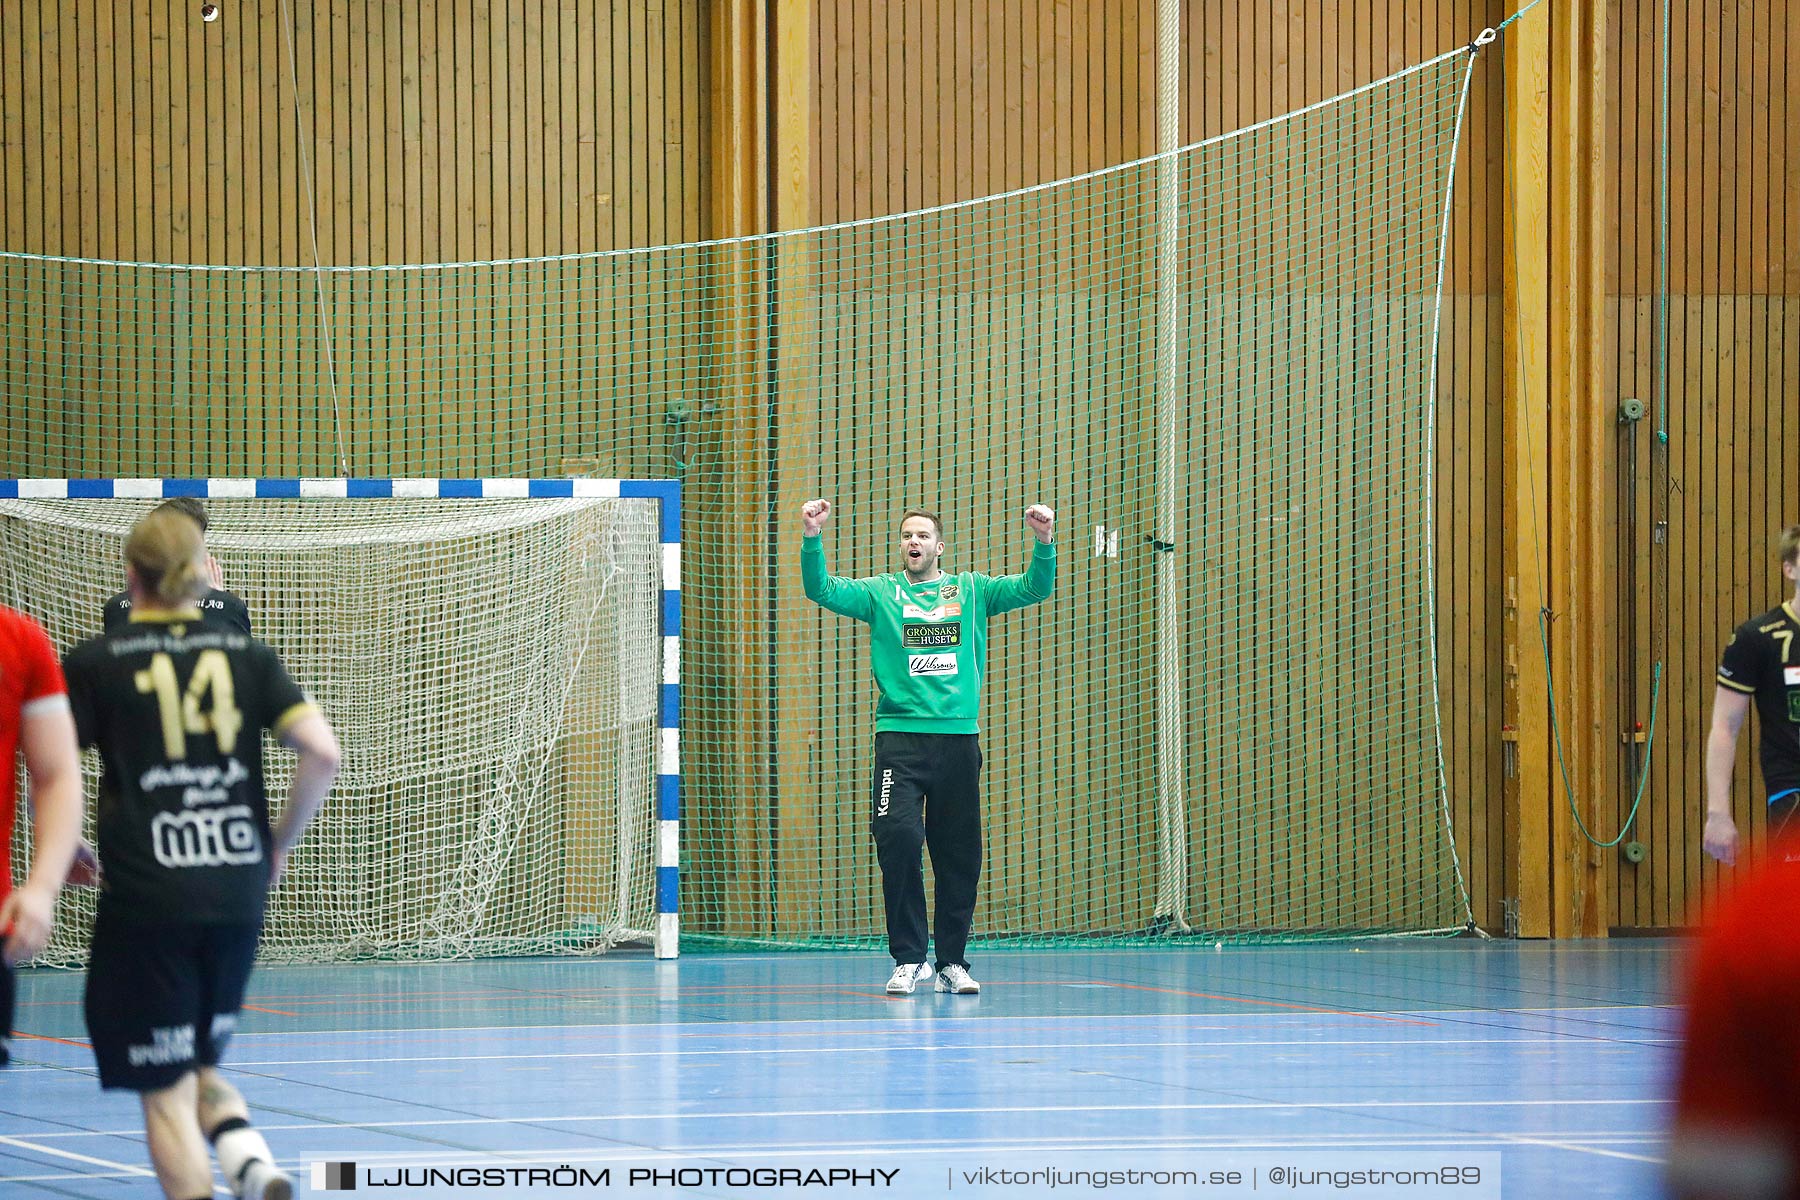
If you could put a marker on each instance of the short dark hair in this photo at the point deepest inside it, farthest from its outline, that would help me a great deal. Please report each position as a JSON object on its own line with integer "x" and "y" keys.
{"x": 1789, "y": 544}
{"x": 936, "y": 522}
{"x": 188, "y": 506}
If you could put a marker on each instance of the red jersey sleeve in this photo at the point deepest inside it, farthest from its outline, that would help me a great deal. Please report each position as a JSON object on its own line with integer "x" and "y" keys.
{"x": 39, "y": 669}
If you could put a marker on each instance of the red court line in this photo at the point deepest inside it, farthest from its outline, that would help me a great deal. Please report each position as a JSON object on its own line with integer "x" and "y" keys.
{"x": 857, "y": 1031}
{"x": 811, "y": 998}
{"x": 1334, "y": 1012}
{"x": 44, "y": 1037}
{"x": 486, "y": 1003}
{"x": 864, "y": 1031}
{"x": 722, "y": 993}
{"x": 689, "y": 989}
{"x": 692, "y": 989}
{"x": 326, "y": 998}
{"x": 499, "y": 1012}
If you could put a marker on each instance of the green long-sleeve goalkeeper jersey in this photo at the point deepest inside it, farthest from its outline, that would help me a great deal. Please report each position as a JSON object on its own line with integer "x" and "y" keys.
{"x": 929, "y": 640}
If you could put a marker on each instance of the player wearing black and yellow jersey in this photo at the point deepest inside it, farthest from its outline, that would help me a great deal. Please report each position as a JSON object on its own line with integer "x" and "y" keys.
{"x": 187, "y": 851}
{"x": 1761, "y": 664}
{"x": 215, "y": 603}
{"x": 928, "y": 649}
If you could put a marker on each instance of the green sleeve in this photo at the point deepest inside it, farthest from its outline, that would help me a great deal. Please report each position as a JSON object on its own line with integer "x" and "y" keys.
{"x": 1007, "y": 592}
{"x": 846, "y": 597}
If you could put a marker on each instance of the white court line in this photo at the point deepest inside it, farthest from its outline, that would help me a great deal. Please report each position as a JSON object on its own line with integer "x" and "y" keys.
{"x": 439, "y": 1156}
{"x": 1185, "y": 1141}
{"x": 1584, "y": 1148}
{"x": 681, "y": 1051}
{"x": 1018, "y": 1142}
{"x": 50, "y": 1152}
{"x": 66, "y": 1176}
{"x": 1570, "y": 1008}
{"x": 961, "y": 1110}
{"x": 900, "y": 1013}
{"x": 927, "y": 1047}
{"x": 585, "y": 1155}
{"x": 1402, "y": 944}
{"x": 1421, "y": 1041}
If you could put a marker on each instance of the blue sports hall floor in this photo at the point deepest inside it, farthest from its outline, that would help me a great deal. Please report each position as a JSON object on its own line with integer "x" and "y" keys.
{"x": 1532, "y": 1069}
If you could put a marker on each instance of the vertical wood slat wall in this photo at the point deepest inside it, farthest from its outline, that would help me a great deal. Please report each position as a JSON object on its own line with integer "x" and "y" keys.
{"x": 1733, "y": 456}
{"x": 434, "y": 134}
{"x": 439, "y": 132}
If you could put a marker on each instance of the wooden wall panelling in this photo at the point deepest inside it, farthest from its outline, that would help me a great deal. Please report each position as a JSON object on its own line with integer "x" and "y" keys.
{"x": 1583, "y": 560}
{"x": 727, "y": 844}
{"x": 433, "y": 133}
{"x": 1525, "y": 463}
{"x": 795, "y": 455}
{"x": 1730, "y": 393}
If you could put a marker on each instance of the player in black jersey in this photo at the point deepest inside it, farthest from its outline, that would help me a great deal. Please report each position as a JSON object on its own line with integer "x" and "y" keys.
{"x": 1762, "y": 662}
{"x": 187, "y": 851}
{"x": 214, "y": 604}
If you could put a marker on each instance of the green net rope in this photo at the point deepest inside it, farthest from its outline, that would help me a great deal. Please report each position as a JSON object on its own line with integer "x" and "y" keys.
{"x": 1238, "y": 336}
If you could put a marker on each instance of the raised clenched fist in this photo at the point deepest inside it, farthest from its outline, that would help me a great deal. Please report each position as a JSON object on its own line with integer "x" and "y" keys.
{"x": 814, "y": 514}
{"x": 1042, "y": 520}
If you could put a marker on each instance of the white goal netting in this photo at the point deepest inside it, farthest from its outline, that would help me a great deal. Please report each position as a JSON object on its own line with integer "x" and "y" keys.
{"x": 492, "y": 668}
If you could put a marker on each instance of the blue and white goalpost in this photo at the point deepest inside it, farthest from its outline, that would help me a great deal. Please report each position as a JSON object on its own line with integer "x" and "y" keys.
{"x": 502, "y": 660}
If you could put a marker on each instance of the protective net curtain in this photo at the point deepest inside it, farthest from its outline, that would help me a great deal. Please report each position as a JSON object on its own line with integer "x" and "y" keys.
{"x": 1238, "y": 336}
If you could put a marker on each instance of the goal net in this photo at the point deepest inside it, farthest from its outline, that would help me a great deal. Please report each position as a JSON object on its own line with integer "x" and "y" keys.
{"x": 493, "y": 668}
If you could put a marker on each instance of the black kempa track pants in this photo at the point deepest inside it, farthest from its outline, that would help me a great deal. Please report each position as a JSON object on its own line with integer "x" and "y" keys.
{"x": 927, "y": 790}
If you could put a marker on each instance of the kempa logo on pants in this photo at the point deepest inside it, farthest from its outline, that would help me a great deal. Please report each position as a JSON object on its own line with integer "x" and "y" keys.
{"x": 887, "y": 791}
{"x": 334, "y": 1177}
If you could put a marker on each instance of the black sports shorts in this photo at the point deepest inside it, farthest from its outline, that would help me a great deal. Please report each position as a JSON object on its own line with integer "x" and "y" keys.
{"x": 163, "y": 997}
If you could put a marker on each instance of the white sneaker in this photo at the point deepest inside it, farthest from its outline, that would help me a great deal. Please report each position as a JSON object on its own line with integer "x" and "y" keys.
{"x": 958, "y": 980}
{"x": 265, "y": 1181}
{"x": 905, "y": 975}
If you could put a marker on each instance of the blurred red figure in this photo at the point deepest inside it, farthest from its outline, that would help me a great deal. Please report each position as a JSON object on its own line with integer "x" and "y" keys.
{"x": 1737, "y": 1099}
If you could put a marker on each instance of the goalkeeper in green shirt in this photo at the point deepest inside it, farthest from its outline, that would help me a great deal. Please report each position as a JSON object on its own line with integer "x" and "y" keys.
{"x": 929, "y": 651}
